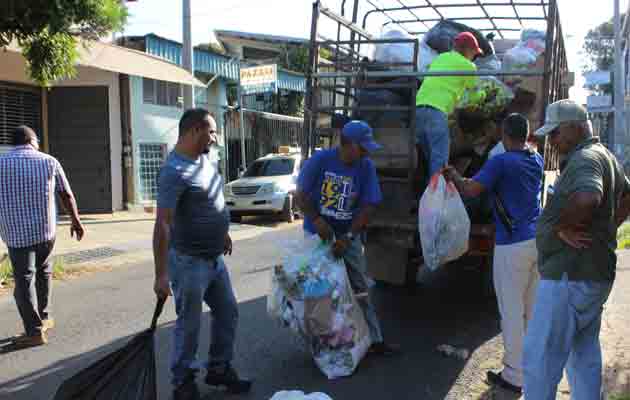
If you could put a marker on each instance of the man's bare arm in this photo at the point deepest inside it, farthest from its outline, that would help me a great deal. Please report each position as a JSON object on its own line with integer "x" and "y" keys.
{"x": 161, "y": 238}
{"x": 362, "y": 219}
{"x": 465, "y": 186}
{"x": 306, "y": 206}
{"x": 579, "y": 210}
{"x": 69, "y": 203}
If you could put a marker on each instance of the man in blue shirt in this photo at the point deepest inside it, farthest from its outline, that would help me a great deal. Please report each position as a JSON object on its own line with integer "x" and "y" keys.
{"x": 337, "y": 190}
{"x": 514, "y": 178}
{"x": 189, "y": 242}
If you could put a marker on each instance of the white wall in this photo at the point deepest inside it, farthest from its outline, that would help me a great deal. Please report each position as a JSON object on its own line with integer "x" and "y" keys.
{"x": 150, "y": 123}
{"x": 95, "y": 77}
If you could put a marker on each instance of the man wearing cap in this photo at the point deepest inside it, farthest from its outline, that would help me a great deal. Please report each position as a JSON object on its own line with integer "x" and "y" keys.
{"x": 337, "y": 191}
{"x": 576, "y": 240}
{"x": 437, "y": 99}
{"x": 515, "y": 180}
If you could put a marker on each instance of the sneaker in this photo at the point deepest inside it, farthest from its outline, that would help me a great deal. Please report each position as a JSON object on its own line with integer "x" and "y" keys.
{"x": 384, "y": 349}
{"x": 497, "y": 380}
{"x": 187, "y": 391}
{"x": 48, "y": 324}
{"x": 225, "y": 376}
{"x": 30, "y": 340}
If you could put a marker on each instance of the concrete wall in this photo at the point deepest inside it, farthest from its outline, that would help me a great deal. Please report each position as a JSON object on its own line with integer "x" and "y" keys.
{"x": 13, "y": 69}
{"x": 96, "y": 77}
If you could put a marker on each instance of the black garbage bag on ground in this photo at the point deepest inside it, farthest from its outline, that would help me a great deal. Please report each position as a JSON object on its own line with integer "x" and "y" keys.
{"x": 440, "y": 37}
{"x": 126, "y": 374}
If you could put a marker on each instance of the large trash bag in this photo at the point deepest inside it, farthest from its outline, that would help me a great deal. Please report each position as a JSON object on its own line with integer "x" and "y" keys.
{"x": 441, "y": 36}
{"x": 498, "y": 98}
{"x": 126, "y": 374}
{"x": 443, "y": 223}
{"x": 311, "y": 295}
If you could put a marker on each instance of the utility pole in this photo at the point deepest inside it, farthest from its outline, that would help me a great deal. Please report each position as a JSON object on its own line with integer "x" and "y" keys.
{"x": 187, "y": 55}
{"x": 619, "y": 93}
{"x": 239, "y": 94}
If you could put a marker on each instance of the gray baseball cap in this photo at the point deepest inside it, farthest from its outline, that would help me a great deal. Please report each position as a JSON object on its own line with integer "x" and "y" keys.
{"x": 559, "y": 112}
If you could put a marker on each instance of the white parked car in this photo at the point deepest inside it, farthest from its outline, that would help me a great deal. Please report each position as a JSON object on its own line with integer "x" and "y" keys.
{"x": 266, "y": 187}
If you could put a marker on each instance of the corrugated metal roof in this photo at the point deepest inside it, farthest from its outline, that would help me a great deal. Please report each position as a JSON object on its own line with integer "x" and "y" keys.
{"x": 260, "y": 37}
{"x": 205, "y": 61}
{"x": 215, "y": 64}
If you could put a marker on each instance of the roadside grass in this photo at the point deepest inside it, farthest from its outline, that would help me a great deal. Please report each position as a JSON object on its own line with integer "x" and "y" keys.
{"x": 619, "y": 397}
{"x": 623, "y": 238}
{"x": 6, "y": 271}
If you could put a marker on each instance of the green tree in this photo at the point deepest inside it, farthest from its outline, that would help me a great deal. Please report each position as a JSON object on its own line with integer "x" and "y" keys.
{"x": 599, "y": 48}
{"x": 48, "y": 31}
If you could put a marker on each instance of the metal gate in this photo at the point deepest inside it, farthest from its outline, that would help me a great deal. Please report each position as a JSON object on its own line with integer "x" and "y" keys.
{"x": 19, "y": 105}
{"x": 264, "y": 133}
{"x": 79, "y": 139}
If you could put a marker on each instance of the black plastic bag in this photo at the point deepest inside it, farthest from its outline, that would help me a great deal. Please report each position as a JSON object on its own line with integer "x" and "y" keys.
{"x": 440, "y": 37}
{"x": 126, "y": 374}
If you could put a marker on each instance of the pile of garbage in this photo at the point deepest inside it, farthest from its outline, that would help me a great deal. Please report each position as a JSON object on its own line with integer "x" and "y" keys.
{"x": 299, "y": 395}
{"x": 311, "y": 295}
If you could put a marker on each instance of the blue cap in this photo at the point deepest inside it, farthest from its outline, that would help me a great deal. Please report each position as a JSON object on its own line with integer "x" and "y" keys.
{"x": 360, "y": 132}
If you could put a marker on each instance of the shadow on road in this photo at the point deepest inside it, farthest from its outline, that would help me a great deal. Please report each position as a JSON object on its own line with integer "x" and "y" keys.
{"x": 276, "y": 360}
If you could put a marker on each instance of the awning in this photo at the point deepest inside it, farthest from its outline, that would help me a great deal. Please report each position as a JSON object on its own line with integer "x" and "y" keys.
{"x": 122, "y": 60}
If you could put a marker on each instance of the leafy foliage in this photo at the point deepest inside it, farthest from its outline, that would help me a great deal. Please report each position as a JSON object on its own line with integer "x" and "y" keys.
{"x": 599, "y": 47}
{"x": 48, "y": 30}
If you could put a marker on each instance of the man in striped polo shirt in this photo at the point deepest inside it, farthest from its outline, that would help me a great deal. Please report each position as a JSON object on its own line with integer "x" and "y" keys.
{"x": 29, "y": 180}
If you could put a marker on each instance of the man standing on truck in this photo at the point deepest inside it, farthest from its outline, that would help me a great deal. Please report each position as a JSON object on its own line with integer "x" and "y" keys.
{"x": 576, "y": 239}
{"x": 514, "y": 178}
{"x": 437, "y": 99}
{"x": 337, "y": 191}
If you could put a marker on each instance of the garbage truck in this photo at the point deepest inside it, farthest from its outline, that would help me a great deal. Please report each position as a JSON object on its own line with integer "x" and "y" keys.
{"x": 367, "y": 61}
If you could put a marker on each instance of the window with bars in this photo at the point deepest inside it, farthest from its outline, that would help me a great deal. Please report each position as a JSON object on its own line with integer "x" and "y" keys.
{"x": 18, "y": 106}
{"x": 152, "y": 156}
{"x": 161, "y": 93}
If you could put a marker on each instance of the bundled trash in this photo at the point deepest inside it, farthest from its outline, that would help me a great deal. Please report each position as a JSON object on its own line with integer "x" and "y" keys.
{"x": 443, "y": 223}
{"x": 311, "y": 294}
{"x": 527, "y": 50}
{"x": 441, "y": 36}
{"x": 426, "y": 55}
{"x": 299, "y": 395}
{"x": 394, "y": 52}
{"x": 490, "y": 62}
{"x": 498, "y": 97}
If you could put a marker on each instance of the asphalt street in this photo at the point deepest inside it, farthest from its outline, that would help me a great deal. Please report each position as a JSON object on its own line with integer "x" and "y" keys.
{"x": 99, "y": 312}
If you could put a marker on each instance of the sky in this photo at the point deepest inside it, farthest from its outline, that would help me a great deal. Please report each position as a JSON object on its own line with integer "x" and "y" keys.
{"x": 293, "y": 18}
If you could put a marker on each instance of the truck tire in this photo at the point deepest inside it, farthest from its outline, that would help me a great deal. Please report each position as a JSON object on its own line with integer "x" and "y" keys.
{"x": 288, "y": 214}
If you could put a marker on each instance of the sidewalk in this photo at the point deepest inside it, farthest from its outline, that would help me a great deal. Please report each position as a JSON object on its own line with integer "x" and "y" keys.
{"x": 121, "y": 238}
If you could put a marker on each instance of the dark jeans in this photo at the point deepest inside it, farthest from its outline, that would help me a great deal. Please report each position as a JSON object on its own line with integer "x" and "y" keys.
{"x": 32, "y": 272}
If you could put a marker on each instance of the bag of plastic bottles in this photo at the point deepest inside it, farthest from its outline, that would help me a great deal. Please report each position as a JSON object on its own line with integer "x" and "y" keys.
{"x": 311, "y": 294}
{"x": 443, "y": 223}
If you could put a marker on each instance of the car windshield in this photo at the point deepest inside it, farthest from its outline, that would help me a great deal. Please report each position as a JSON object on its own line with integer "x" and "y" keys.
{"x": 273, "y": 167}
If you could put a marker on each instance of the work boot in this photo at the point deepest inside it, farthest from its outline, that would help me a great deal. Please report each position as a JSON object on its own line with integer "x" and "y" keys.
{"x": 187, "y": 391}
{"x": 225, "y": 376}
{"x": 47, "y": 324}
{"x": 25, "y": 340}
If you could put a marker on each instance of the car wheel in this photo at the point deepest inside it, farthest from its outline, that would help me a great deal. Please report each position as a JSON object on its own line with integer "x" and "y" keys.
{"x": 288, "y": 214}
{"x": 237, "y": 219}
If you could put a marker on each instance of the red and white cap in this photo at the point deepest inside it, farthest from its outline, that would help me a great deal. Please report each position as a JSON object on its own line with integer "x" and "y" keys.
{"x": 469, "y": 41}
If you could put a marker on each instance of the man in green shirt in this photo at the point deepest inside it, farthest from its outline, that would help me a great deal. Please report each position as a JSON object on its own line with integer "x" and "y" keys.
{"x": 576, "y": 241}
{"x": 438, "y": 97}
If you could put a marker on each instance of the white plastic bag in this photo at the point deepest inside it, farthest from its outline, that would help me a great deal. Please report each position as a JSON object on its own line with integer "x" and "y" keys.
{"x": 443, "y": 223}
{"x": 394, "y": 52}
{"x": 426, "y": 55}
{"x": 311, "y": 295}
{"x": 299, "y": 395}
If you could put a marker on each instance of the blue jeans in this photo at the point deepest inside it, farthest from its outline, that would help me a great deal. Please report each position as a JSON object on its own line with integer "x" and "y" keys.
{"x": 432, "y": 135}
{"x": 565, "y": 331}
{"x": 356, "y": 265}
{"x": 193, "y": 281}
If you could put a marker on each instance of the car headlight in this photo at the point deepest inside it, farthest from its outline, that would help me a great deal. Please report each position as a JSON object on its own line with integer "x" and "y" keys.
{"x": 272, "y": 188}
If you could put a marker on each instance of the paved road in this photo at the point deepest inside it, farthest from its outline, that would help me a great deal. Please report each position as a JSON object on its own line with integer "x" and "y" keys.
{"x": 98, "y": 312}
